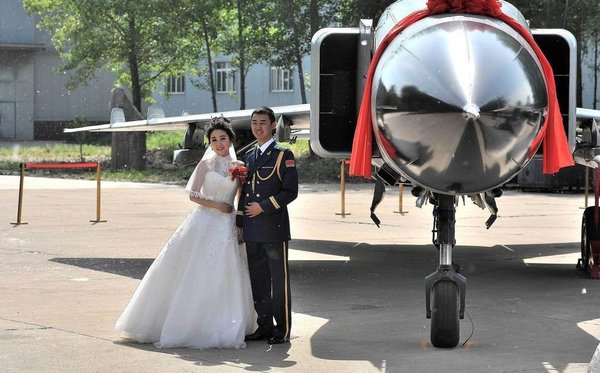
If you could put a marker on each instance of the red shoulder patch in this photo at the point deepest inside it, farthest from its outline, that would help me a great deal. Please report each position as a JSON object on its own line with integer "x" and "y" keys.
{"x": 290, "y": 163}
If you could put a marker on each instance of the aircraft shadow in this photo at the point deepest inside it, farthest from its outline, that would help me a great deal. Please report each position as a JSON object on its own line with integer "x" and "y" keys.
{"x": 371, "y": 307}
{"x": 129, "y": 267}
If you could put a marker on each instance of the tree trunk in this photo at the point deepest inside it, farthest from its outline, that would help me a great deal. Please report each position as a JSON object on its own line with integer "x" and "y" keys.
{"x": 242, "y": 56}
{"x": 579, "y": 89}
{"x": 301, "y": 76}
{"x": 314, "y": 16}
{"x": 211, "y": 77}
{"x": 595, "y": 70}
{"x": 128, "y": 149}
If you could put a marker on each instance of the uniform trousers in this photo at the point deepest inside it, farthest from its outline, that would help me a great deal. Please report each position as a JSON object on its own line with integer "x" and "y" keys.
{"x": 269, "y": 276}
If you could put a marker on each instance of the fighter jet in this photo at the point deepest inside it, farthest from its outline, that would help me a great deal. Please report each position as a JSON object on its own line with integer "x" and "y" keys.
{"x": 455, "y": 99}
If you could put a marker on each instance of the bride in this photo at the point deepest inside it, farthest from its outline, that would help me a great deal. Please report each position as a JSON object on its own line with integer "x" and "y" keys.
{"x": 197, "y": 291}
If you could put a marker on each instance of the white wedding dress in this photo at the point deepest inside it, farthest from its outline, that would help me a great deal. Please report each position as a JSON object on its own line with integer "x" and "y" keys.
{"x": 197, "y": 291}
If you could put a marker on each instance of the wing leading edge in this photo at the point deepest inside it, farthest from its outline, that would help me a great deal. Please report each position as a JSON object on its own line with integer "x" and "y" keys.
{"x": 297, "y": 116}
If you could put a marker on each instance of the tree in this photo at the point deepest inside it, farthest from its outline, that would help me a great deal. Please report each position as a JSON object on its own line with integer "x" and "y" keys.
{"x": 247, "y": 37}
{"x": 352, "y": 11}
{"x": 291, "y": 37}
{"x": 138, "y": 40}
{"x": 595, "y": 67}
{"x": 573, "y": 15}
{"x": 592, "y": 36}
{"x": 203, "y": 19}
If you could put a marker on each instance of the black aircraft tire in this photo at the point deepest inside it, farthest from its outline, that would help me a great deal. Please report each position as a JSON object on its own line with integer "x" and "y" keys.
{"x": 588, "y": 232}
{"x": 444, "y": 315}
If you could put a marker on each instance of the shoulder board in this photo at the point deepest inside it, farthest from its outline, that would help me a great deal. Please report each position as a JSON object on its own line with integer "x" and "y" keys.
{"x": 279, "y": 147}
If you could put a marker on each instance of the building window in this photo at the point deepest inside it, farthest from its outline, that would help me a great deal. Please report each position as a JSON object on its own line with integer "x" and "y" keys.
{"x": 281, "y": 80}
{"x": 176, "y": 84}
{"x": 225, "y": 77}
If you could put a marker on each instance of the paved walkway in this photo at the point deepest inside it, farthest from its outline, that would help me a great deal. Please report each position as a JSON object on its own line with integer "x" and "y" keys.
{"x": 358, "y": 290}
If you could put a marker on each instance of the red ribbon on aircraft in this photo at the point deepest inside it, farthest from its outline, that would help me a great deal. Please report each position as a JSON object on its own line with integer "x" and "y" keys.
{"x": 555, "y": 147}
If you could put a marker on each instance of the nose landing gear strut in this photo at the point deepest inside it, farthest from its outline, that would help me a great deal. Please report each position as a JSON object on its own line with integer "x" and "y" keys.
{"x": 445, "y": 288}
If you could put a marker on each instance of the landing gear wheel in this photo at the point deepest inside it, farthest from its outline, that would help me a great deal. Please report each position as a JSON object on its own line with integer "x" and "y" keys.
{"x": 444, "y": 314}
{"x": 587, "y": 233}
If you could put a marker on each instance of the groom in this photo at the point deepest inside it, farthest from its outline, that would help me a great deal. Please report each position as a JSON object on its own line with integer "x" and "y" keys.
{"x": 263, "y": 222}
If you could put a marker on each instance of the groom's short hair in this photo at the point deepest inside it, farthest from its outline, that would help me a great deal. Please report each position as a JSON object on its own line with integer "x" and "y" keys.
{"x": 264, "y": 110}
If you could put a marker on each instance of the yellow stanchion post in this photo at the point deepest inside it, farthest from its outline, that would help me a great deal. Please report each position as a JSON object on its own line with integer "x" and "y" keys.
{"x": 343, "y": 188}
{"x": 20, "y": 206}
{"x": 98, "y": 196}
{"x": 400, "y": 198}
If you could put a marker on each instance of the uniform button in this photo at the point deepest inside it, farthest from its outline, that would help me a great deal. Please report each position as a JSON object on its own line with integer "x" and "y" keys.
{"x": 247, "y": 194}
{"x": 258, "y": 195}
{"x": 258, "y": 182}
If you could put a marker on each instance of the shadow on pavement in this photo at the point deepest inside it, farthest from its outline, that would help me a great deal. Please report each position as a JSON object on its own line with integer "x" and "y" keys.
{"x": 372, "y": 307}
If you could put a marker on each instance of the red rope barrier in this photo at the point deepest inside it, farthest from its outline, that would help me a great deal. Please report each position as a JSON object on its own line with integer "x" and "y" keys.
{"x": 61, "y": 165}
{"x": 24, "y": 166}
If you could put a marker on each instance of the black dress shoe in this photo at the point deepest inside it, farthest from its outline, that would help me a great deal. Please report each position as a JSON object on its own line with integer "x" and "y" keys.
{"x": 257, "y": 336}
{"x": 276, "y": 341}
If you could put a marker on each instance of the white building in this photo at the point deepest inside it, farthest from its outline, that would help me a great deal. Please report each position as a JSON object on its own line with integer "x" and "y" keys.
{"x": 265, "y": 85}
{"x": 33, "y": 99}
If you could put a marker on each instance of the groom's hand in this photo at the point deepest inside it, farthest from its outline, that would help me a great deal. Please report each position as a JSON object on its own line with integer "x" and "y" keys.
{"x": 253, "y": 209}
{"x": 240, "y": 235}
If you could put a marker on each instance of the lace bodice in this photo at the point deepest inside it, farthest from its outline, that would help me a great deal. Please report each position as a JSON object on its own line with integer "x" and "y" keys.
{"x": 211, "y": 180}
{"x": 219, "y": 188}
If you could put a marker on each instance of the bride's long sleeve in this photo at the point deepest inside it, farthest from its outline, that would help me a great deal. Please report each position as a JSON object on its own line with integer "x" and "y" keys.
{"x": 194, "y": 184}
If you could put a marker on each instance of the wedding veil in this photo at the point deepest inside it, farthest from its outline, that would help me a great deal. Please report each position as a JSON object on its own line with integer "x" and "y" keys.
{"x": 206, "y": 164}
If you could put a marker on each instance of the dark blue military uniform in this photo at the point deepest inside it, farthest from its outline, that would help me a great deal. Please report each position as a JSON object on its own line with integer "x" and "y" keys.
{"x": 273, "y": 183}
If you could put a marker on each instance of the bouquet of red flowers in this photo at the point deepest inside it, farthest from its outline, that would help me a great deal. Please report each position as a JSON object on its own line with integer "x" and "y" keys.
{"x": 240, "y": 172}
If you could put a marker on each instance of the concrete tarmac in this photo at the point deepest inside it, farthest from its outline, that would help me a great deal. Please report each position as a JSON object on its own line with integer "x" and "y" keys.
{"x": 358, "y": 293}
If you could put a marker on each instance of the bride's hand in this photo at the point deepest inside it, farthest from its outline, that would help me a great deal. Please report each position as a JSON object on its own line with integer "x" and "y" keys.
{"x": 226, "y": 208}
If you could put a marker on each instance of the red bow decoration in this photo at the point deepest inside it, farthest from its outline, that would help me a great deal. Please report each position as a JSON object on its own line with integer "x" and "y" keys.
{"x": 239, "y": 172}
{"x": 556, "y": 148}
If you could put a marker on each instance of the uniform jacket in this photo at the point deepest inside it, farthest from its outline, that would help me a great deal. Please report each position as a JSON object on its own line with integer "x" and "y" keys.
{"x": 273, "y": 190}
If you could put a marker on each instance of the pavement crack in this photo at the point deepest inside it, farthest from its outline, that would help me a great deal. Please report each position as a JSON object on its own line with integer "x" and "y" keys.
{"x": 34, "y": 326}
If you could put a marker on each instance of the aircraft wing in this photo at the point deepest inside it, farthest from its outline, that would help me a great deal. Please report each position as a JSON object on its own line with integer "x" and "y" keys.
{"x": 296, "y": 115}
{"x": 583, "y": 113}
{"x": 587, "y": 149}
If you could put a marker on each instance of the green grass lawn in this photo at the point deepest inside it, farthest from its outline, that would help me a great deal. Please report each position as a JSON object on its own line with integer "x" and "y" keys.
{"x": 159, "y": 155}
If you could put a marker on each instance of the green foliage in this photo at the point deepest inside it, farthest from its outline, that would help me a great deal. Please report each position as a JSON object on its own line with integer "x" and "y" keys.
{"x": 350, "y": 12}
{"x": 573, "y": 15}
{"x": 164, "y": 140}
{"x": 246, "y": 35}
{"x": 160, "y": 170}
{"x": 53, "y": 153}
{"x": 300, "y": 148}
{"x": 580, "y": 17}
{"x": 136, "y": 40}
{"x": 314, "y": 169}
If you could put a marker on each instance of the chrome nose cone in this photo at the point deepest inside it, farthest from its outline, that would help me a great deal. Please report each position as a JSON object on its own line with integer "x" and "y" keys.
{"x": 458, "y": 101}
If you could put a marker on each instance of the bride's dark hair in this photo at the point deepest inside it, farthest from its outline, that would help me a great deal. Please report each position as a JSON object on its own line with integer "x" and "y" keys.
{"x": 220, "y": 123}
